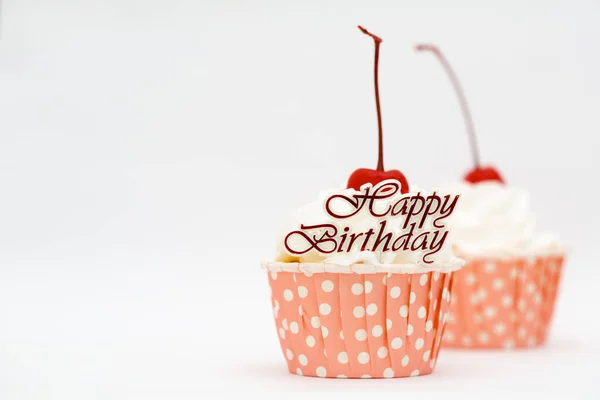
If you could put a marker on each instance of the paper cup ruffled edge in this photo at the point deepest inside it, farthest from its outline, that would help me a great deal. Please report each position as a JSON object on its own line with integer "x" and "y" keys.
{"x": 452, "y": 265}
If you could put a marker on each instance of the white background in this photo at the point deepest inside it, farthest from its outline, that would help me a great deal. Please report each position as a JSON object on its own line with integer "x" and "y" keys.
{"x": 150, "y": 149}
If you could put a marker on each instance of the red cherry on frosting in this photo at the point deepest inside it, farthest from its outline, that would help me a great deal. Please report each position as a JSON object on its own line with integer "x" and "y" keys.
{"x": 479, "y": 173}
{"x": 365, "y": 175}
{"x": 374, "y": 176}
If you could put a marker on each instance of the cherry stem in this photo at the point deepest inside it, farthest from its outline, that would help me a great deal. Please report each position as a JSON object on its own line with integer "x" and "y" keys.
{"x": 378, "y": 41}
{"x": 461, "y": 97}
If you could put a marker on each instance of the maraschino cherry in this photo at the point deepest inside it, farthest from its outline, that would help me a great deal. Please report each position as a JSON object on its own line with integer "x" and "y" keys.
{"x": 374, "y": 176}
{"x": 479, "y": 173}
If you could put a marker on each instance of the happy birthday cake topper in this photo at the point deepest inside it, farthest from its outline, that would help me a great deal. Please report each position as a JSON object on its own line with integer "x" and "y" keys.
{"x": 405, "y": 222}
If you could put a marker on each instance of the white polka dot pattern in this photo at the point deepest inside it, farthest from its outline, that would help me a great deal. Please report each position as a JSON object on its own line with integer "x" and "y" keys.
{"x": 392, "y": 322}
{"x": 503, "y": 303}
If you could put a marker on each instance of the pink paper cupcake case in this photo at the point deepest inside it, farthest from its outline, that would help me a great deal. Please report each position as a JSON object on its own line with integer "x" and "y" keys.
{"x": 360, "y": 325}
{"x": 503, "y": 303}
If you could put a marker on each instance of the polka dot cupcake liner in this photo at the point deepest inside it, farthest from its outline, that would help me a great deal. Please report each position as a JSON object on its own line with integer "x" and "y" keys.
{"x": 351, "y": 325}
{"x": 503, "y": 303}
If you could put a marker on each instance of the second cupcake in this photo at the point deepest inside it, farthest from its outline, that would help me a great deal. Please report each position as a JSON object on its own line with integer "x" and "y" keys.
{"x": 505, "y": 295}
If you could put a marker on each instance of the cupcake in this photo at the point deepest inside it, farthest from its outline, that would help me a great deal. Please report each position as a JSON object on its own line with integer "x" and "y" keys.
{"x": 504, "y": 297}
{"x": 362, "y": 277}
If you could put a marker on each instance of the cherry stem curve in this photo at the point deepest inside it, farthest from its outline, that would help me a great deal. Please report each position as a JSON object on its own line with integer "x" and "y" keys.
{"x": 377, "y": 41}
{"x": 461, "y": 97}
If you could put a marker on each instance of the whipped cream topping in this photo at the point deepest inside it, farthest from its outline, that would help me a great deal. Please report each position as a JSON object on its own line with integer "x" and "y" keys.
{"x": 492, "y": 219}
{"x": 314, "y": 213}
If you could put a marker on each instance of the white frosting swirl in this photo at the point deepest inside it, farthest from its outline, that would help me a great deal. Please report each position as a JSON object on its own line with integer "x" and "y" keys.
{"x": 492, "y": 219}
{"x": 314, "y": 213}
